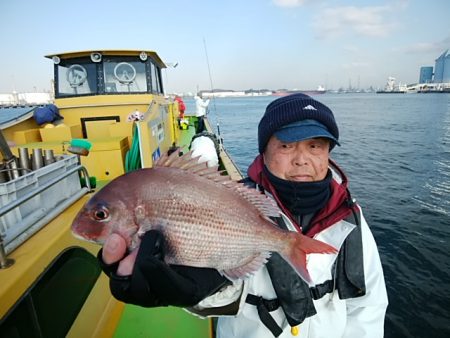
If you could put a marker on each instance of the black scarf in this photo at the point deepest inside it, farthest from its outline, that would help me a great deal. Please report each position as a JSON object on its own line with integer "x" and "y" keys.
{"x": 302, "y": 198}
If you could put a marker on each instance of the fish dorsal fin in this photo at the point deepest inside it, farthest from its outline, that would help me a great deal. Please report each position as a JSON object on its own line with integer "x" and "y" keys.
{"x": 185, "y": 162}
{"x": 265, "y": 205}
{"x": 190, "y": 164}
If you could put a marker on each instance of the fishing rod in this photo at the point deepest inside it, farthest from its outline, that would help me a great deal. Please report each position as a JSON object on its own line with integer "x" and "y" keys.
{"x": 213, "y": 97}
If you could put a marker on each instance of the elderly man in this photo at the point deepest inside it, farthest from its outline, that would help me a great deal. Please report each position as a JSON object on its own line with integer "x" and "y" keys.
{"x": 347, "y": 296}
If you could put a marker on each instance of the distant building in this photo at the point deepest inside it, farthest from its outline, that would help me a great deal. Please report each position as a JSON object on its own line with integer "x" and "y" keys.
{"x": 442, "y": 68}
{"x": 21, "y": 99}
{"x": 426, "y": 74}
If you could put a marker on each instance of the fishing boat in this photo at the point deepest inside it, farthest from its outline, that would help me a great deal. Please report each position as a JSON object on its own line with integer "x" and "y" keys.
{"x": 392, "y": 88}
{"x": 110, "y": 115}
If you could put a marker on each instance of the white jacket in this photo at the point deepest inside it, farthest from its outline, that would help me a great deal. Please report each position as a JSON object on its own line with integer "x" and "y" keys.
{"x": 354, "y": 318}
{"x": 200, "y": 106}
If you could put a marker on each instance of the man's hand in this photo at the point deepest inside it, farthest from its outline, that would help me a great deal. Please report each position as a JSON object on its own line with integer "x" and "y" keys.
{"x": 143, "y": 278}
{"x": 114, "y": 250}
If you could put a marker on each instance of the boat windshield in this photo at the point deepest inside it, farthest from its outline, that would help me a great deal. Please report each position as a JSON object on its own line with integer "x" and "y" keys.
{"x": 113, "y": 75}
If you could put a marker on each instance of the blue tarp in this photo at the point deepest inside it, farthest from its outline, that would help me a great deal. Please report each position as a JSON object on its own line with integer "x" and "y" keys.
{"x": 47, "y": 114}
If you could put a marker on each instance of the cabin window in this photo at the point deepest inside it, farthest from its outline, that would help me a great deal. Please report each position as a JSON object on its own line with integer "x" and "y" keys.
{"x": 159, "y": 80}
{"x": 53, "y": 303}
{"x": 123, "y": 76}
{"x": 112, "y": 75}
{"x": 153, "y": 72}
{"x": 76, "y": 78}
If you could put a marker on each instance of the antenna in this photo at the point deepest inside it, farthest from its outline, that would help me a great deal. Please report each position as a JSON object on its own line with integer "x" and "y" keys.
{"x": 212, "y": 91}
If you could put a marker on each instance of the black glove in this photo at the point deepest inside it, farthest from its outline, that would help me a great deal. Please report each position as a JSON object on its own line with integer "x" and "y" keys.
{"x": 155, "y": 283}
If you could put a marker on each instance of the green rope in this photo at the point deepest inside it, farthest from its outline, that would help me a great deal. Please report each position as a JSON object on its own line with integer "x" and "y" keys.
{"x": 133, "y": 156}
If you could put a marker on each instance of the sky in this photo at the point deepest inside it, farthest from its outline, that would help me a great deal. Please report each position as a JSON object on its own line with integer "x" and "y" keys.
{"x": 231, "y": 44}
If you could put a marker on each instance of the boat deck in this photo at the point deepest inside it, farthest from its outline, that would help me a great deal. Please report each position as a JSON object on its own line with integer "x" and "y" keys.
{"x": 186, "y": 137}
{"x": 170, "y": 322}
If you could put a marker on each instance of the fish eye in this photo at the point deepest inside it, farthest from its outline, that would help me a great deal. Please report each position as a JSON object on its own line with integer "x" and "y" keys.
{"x": 100, "y": 214}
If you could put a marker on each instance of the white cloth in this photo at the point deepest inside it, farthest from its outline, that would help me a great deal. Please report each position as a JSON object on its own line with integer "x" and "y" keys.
{"x": 204, "y": 148}
{"x": 200, "y": 106}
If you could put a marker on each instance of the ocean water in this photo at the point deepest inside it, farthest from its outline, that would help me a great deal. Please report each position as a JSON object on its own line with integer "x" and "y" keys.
{"x": 395, "y": 149}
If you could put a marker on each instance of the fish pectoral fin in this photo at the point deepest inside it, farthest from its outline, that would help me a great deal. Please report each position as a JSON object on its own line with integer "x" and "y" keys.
{"x": 249, "y": 266}
{"x": 265, "y": 205}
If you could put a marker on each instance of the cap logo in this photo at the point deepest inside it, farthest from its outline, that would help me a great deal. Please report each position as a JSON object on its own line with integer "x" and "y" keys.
{"x": 309, "y": 107}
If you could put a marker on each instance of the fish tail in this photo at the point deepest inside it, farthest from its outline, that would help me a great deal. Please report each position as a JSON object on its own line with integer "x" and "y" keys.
{"x": 299, "y": 246}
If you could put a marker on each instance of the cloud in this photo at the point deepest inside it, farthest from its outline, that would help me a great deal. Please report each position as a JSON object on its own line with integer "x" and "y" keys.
{"x": 364, "y": 21}
{"x": 420, "y": 47}
{"x": 289, "y": 3}
{"x": 428, "y": 47}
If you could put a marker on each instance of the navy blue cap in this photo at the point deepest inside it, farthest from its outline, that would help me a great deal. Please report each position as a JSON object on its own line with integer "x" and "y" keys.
{"x": 294, "y": 108}
{"x": 304, "y": 130}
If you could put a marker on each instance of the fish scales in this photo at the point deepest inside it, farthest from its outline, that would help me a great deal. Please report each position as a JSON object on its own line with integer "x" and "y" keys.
{"x": 207, "y": 224}
{"x": 207, "y": 219}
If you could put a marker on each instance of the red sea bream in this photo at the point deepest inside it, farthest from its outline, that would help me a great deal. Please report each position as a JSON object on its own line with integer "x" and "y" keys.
{"x": 208, "y": 220}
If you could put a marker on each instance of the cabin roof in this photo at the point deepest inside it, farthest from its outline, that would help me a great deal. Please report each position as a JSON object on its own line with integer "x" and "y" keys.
{"x": 125, "y": 52}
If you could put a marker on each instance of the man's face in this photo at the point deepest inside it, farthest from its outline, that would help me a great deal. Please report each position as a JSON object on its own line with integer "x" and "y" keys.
{"x": 302, "y": 161}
